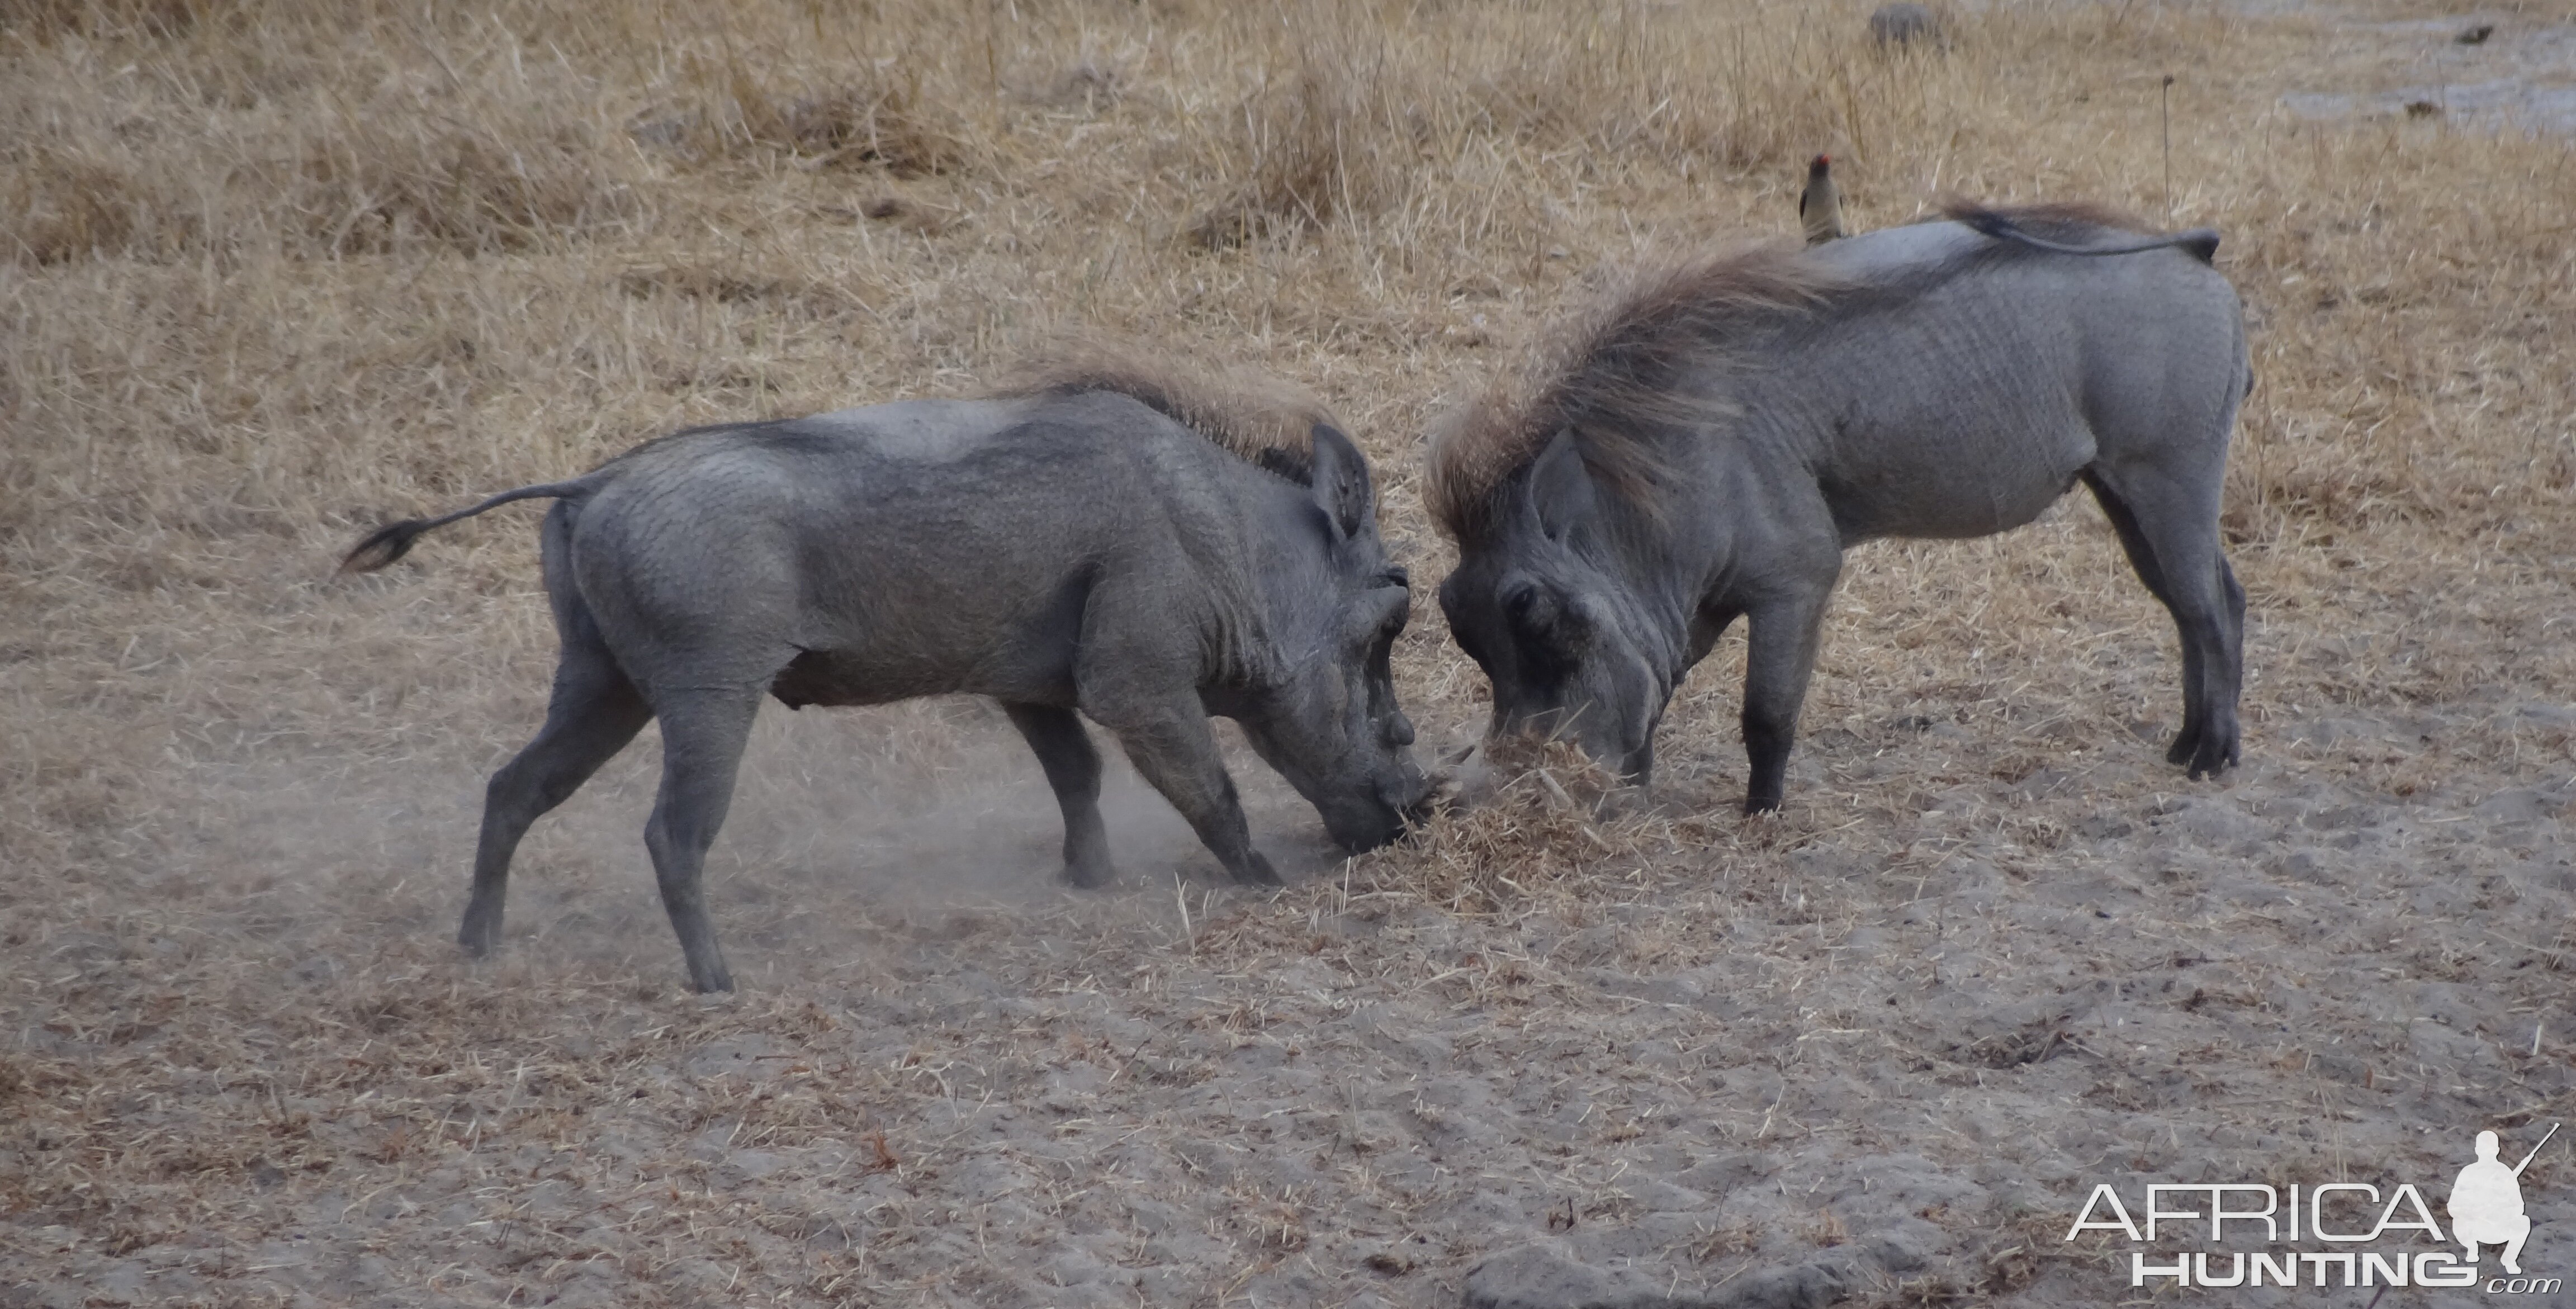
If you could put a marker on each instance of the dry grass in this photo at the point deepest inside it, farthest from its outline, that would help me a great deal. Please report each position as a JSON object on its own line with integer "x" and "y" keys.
{"x": 276, "y": 270}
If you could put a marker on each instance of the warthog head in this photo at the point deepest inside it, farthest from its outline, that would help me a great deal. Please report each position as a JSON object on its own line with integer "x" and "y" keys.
{"x": 1569, "y": 647}
{"x": 1329, "y": 723}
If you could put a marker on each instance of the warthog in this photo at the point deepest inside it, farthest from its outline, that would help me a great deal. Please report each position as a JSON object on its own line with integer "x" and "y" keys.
{"x": 1904, "y": 24}
{"x": 1706, "y": 447}
{"x": 1102, "y": 540}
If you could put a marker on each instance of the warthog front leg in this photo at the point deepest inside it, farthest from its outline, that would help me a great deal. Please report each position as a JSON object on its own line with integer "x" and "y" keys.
{"x": 703, "y": 733}
{"x": 594, "y": 713}
{"x": 1172, "y": 746}
{"x": 1780, "y": 655}
{"x": 1073, "y": 769}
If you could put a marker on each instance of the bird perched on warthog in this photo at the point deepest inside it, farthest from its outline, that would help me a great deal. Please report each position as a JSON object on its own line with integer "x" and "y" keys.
{"x": 1706, "y": 445}
{"x": 1106, "y": 538}
{"x": 1820, "y": 205}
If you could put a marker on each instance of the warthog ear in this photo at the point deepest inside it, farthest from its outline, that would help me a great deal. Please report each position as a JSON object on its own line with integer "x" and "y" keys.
{"x": 1341, "y": 481}
{"x": 1560, "y": 487}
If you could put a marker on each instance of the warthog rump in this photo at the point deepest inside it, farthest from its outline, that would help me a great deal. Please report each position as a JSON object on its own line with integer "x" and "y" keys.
{"x": 1707, "y": 446}
{"x": 1100, "y": 541}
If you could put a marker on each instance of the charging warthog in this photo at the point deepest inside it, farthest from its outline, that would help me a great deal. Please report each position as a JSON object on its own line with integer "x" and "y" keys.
{"x": 1706, "y": 447}
{"x": 1101, "y": 540}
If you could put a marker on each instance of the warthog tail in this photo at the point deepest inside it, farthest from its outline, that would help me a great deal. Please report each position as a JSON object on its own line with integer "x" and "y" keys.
{"x": 2200, "y": 243}
{"x": 393, "y": 540}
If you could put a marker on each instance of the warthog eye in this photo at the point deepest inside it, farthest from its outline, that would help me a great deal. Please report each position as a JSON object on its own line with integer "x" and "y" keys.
{"x": 1532, "y": 608}
{"x": 1542, "y": 618}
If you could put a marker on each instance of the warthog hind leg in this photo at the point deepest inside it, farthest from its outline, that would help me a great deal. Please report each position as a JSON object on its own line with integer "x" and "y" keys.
{"x": 594, "y": 713}
{"x": 1073, "y": 769}
{"x": 703, "y": 733}
{"x": 2171, "y": 537}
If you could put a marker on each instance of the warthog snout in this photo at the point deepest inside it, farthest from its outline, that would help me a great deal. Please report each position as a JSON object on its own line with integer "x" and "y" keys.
{"x": 1380, "y": 812}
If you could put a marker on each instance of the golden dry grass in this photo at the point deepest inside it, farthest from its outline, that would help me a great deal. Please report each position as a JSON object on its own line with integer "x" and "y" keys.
{"x": 276, "y": 270}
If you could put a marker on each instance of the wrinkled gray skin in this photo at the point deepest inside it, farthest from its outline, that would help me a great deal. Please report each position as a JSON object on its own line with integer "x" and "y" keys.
{"x": 1954, "y": 406}
{"x": 1057, "y": 553}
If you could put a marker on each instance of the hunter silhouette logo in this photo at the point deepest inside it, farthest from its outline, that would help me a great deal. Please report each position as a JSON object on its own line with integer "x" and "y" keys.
{"x": 2486, "y": 1202}
{"x": 2326, "y": 1233}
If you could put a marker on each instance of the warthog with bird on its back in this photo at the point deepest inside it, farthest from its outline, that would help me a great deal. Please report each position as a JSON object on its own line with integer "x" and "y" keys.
{"x": 1108, "y": 538}
{"x": 1706, "y": 447}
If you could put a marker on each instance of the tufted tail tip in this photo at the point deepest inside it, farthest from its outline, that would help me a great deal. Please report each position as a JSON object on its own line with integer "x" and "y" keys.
{"x": 383, "y": 546}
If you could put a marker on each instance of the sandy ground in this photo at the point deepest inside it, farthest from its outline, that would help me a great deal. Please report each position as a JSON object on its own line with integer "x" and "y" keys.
{"x": 1876, "y": 1047}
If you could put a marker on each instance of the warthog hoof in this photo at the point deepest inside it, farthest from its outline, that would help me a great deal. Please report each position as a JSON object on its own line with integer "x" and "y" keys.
{"x": 1257, "y": 871}
{"x": 1089, "y": 875}
{"x": 2206, "y": 753}
{"x": 480, "y": 934}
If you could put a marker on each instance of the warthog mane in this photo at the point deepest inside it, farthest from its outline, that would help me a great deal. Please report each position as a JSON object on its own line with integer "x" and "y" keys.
{"x": 1262, "y": 420}
{"x": 1608, "y": 374}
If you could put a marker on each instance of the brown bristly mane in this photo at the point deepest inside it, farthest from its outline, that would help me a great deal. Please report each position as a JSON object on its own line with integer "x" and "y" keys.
{"x": 2054, "y": 219}
{"x": 1611, "y": 376}
{"x": 1259, "y": 419}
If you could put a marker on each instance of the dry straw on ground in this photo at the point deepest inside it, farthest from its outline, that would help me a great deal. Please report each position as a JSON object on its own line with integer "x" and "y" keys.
{"x": 274, "y": 271}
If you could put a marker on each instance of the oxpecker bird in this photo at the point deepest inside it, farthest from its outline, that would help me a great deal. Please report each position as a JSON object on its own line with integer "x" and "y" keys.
{"x": 1818, "y": 205}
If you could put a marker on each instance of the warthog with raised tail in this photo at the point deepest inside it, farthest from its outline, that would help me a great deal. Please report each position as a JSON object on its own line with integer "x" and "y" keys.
{"x": 1105, "y": 539}
{"x": 1706, "y": 446}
